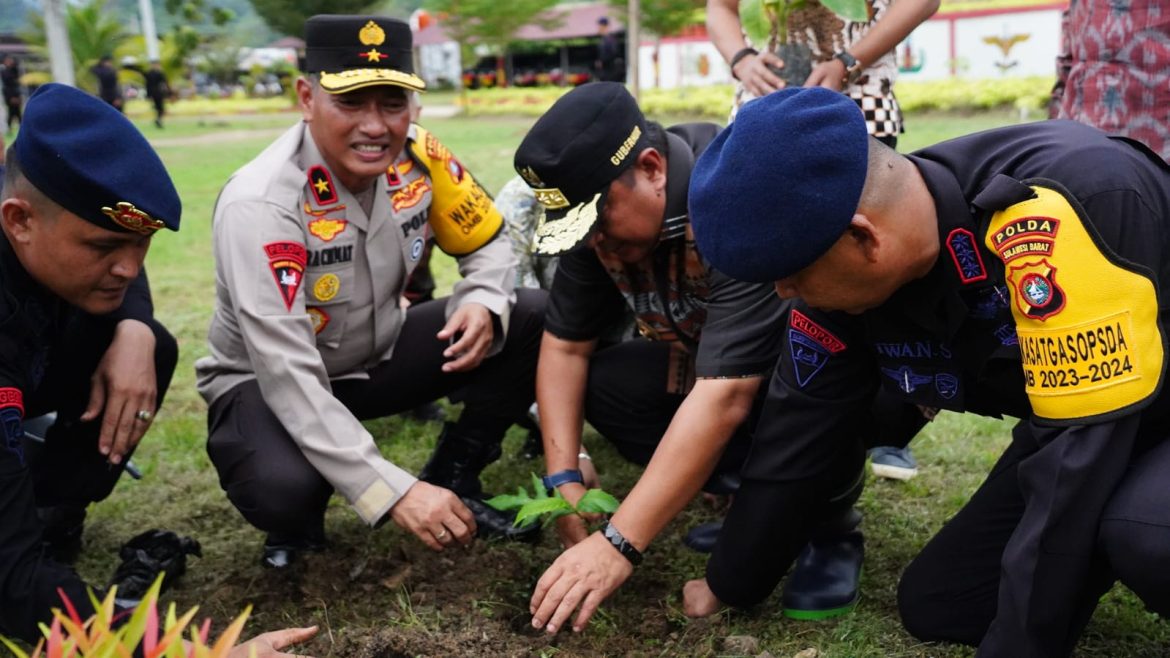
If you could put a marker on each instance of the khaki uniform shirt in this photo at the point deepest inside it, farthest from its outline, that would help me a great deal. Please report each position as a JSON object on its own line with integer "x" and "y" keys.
{"x": 307, "y": 291}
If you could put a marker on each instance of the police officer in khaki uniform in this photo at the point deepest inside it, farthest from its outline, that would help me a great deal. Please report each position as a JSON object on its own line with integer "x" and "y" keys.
{"x": 314, "y": 241}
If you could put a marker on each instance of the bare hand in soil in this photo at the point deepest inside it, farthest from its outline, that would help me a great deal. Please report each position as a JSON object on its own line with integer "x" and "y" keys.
{"x": 585, "y": 575}
{"x": 698, "y": 599}
{"x": 756, "y": 75}
{"x": 270, "y": 644}
{"x": 435, "y": 515}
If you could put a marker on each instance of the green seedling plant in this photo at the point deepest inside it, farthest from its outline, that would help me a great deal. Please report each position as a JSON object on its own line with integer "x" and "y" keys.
{"x": 547, "y": 508}
{"x": 767, "y": 20}
{"x": 68, "y": 636}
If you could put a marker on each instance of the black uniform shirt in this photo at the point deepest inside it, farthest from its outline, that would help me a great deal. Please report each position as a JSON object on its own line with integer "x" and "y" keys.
{"x": 949, "y": 340}
{"x": 31, "y": 321}
{"x": 738, "y": 336}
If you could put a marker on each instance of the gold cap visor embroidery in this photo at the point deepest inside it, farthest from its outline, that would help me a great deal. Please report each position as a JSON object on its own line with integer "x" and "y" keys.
{"x": 353, "y": 79}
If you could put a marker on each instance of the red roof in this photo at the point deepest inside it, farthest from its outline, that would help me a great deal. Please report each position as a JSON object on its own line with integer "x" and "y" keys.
{"x": 575, "y": 20}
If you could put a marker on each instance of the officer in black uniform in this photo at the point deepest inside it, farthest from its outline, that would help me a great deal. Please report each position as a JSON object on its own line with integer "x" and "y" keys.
{"x": 77, "y": 306}
{"x": 996, "y": 274}
{"x": 83, "y": 195}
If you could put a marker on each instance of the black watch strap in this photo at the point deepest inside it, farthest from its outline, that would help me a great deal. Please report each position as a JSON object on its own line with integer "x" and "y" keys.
{"x": 853, "y": 68}
{"x": 623, "y": 546}
{"x": 739, "y": 55}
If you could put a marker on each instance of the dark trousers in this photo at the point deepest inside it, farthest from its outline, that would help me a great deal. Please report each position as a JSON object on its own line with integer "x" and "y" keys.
{"x": 12, "y": 104}
{"x": 275, "y": 487}
{"x": 160, "y": 102}
{"x": 68, "y": 469}
{"x": 627, "y": 402}
{"x": 950, "y": 591}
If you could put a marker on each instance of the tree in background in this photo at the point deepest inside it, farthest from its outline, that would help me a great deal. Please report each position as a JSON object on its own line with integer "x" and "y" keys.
{"x": 491, "y": 23}
{"x": 93, "y": 31}
{"x": 288, "y": 16}
{"x": 664, "y": 18}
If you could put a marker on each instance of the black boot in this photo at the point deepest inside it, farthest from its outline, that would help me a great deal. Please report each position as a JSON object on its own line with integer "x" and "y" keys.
{"x": 825, "y": 581}
{"x": 282, "y": 550}
{"x": 63, "y": 525}
{"x": 459, "y": 457}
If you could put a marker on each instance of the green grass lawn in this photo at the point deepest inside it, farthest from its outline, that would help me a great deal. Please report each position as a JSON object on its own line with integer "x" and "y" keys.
{"x": 481, "y": 595}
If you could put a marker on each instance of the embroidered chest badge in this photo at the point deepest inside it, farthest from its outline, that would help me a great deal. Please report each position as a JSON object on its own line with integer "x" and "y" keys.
{"x": 411, "y": 195}
{"x": 287, "y": 262}
{"x": 811, "y": 345}
{"x": 327, "y": 228}
{"x": 318, "y": 317}
{"x": 326, "y": 287}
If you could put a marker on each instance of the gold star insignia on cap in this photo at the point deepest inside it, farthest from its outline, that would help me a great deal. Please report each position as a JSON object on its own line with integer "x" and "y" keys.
{"x": 372, "y": 34}
{"x": 133, "y": 219}
{"x": 374, "y": 55}
{"x": 322, "y": 186}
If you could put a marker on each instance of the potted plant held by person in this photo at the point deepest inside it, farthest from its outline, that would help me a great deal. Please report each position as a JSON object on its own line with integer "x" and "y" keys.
{"x": 767, "y": 22}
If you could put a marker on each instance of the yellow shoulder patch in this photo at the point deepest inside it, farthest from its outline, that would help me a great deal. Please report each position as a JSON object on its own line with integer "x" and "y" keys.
{"x": 1090, "y": 342}
{"x": 462, "y": 216}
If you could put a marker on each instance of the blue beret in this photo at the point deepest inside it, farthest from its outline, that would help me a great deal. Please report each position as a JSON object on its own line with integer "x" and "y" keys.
{"x": 87, "y": 157}
{"x": 779, "y": 186}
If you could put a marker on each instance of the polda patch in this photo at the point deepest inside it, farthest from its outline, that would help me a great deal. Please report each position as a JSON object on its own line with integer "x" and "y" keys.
{"x": 811, "y": 345}
{"x": 321, "y": 185}
{"x": 1026, "y": 236}
{"x": 287, "y": 262}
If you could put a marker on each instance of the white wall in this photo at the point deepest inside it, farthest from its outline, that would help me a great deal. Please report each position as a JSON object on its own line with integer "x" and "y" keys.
{"x": 929, "y": 45}
{"x": 439, "y": 61}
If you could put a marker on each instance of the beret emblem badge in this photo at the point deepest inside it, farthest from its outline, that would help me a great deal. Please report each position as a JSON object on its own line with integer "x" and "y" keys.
{"x": 133, "y": 219}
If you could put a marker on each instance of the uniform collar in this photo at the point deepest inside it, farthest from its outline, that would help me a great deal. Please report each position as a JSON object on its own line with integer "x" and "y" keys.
{"x": 933, "y": 301}
{"x": 679, "y": 163}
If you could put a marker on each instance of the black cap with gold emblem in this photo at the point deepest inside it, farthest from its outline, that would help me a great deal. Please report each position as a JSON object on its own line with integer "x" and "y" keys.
{"x": 352, "y": 52}
{"x": 572, "y": 154}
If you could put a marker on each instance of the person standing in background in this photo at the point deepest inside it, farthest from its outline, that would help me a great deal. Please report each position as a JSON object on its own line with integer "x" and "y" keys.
{"x": 107, "y": 78}
{"x": 1116, "y": 74}
{"x": 10, "y": 90}
{"x": 157, "y": 90}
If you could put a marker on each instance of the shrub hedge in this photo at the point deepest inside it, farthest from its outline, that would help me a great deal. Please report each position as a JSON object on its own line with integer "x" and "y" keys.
{"x": 951, "y": 95}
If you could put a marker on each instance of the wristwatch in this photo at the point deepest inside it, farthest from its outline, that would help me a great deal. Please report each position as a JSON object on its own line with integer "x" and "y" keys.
{"x": 853, "y": 68}
{"x": 562, "y": 477}
{"x": 622, "y": 545}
